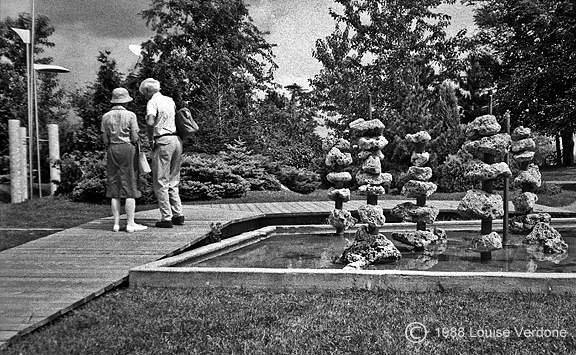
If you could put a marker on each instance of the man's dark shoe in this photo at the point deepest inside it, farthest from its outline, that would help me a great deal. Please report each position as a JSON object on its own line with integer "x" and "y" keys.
{"x": 164, "y": 224}
{"x": 178, "y": 220}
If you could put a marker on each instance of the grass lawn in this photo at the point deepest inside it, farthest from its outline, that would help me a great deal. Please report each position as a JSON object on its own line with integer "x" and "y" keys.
{"x": 236, "y": 321}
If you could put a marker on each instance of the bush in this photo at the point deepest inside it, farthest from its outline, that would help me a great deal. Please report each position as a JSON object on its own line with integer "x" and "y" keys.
{"x": 449, "y": 176}
{"x": 257, "y": 169}
{"x": 548, "y": 189}
{"x": 83, "y": 178}
{"x": 207, "y": 178}
{"x": 299, "y": 180}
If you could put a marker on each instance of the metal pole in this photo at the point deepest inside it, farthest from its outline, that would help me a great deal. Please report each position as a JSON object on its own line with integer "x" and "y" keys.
{"x": 369, "y": 106}
{"x": 30, "y": 125}
{"x": 37, "y": 132}
{"x": 34, "y": 99}
{"x": 506, "y": 196}
{"x": 23, "y": 163}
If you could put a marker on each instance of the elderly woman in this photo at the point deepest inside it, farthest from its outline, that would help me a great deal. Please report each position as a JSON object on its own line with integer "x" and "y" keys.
{"x": 120, "y": 135}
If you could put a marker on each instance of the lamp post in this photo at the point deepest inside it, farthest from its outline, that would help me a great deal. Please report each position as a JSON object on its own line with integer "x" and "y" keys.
{"x": 45, "y": 68}
{"x": 25, "y": 36}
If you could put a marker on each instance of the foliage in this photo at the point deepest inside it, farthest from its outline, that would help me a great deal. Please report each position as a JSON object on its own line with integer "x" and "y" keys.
{"x": 299, "y": 180}
{"x": 548, "y": 189}
{"x": 448, "y": 134}
{"x": 533, "y": 41}
{"x": 83, "y": 176}
{"x": 207, "y": 178}
{"x": 13, "y": 91}
{"x": 383, "y": 50}
{"x": 210, "y": 56}
{"x": 257, "y": 169}
{"x": 476, "y": 83}
{"x": 392, "y": 54}
{"x": 285, "y": 130}
{"x": 449, "y": 176}
{"x": 91, "y": 104}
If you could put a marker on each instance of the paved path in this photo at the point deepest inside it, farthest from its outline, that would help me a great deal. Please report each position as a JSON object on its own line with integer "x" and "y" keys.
{"x": 45, "y": 278}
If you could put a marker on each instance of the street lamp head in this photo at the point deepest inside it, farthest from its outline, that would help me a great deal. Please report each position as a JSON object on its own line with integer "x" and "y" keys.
{"x": 136, "y": 49}
{"x": 50, "y": 68}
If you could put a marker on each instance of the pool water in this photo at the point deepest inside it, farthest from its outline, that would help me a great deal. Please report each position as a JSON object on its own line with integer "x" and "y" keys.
{"x": 322, "y": 251}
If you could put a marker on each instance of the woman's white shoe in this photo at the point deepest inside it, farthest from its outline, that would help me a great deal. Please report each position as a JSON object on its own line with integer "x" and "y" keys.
{"x": 135, "y": 228}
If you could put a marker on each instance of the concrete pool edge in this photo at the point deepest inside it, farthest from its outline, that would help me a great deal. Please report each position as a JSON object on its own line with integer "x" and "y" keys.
{"x": 164, "y": 273}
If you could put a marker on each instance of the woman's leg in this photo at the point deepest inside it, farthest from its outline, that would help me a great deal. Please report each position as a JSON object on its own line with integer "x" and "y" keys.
{"x": 115, "y": 203}
{"x": 130, "y": 210}
{"x": 131, "y": 226}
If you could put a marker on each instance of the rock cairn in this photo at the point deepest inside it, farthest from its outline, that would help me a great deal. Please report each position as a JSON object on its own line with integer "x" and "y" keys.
{"x": 528, "y": 180}
{"x": 337, "y": 160}
{"x": 370, "y": 246}
{"x": 485, "y": 139}
{"x": 419, "y": 187}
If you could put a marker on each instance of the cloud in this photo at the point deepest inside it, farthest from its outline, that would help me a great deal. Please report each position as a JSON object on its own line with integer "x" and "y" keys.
{"x": 108, "y": 19}
{"x": 101, "y": 18}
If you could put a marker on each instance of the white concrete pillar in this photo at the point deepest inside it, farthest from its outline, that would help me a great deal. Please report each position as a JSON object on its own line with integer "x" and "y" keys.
{"x": 24, "y": 162}
{"x": 14, "y": 148}
{"x": 53, "y": 155}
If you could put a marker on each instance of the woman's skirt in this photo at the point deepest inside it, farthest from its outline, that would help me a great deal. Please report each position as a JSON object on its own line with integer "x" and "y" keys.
{"x": 122, "y": 175}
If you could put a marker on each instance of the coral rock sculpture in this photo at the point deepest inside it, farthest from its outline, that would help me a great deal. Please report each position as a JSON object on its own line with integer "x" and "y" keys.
{"x": 528, "y": 180}
{"x": 370, "y": 246}
{"x": 485, "y": 140}
{"x": 337, "y": 159}
{"x": 420, "y": 188}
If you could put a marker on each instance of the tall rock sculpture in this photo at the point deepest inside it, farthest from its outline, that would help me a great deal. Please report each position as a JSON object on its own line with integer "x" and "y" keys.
{"x": 419, "y": 187}
{"x": 337, "y": 160}
{"x": 370, "y": 246}
{"x": 485, "y": 140}
{"x": 537, "y": 225}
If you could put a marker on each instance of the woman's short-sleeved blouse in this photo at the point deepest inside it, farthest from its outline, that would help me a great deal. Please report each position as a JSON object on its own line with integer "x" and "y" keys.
{"x": 117, "y": 124}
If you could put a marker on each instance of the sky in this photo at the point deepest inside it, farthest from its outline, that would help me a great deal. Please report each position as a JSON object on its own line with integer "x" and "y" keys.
{"x": 83, "y": 28}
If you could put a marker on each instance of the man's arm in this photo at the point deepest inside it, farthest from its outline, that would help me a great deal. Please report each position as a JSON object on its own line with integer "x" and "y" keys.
{"x": 150, "y": 119}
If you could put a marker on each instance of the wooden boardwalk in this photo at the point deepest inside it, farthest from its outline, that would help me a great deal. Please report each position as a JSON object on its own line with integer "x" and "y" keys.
{"x": 45, "y": 278}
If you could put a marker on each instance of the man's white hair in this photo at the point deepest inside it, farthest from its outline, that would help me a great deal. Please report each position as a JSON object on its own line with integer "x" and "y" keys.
{"x": 149, "y": 85}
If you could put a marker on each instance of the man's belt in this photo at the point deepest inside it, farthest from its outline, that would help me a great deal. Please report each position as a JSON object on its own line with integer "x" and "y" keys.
{"x": 164, "y": 135}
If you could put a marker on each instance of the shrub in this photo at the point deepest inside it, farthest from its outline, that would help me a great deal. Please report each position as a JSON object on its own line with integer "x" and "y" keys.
{"x": 299, "y": 180}
{"x": 257, "y": 169}
{"x": 207, "y": 178}
{"x": 83, "y": 177}
{"x": 449, "y": 176}
{"x": 548, "y": 189}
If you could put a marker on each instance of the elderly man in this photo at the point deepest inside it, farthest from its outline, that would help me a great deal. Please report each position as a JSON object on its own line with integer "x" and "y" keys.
{"x": 166, "y": 152}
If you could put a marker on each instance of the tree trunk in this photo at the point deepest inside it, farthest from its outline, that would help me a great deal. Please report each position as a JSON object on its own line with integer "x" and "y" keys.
{"x": 568, "y": 148}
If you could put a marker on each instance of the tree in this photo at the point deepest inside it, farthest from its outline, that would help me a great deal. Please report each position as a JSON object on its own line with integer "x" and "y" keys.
{"x": 535, "y": 42}
{"x": 286, "y": 131}
{"x": 393, "y": 53}
{"x": 208, "y": 55}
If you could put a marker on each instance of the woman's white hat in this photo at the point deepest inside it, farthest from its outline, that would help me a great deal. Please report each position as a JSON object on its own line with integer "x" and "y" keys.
{"x": 120, "y": 96}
